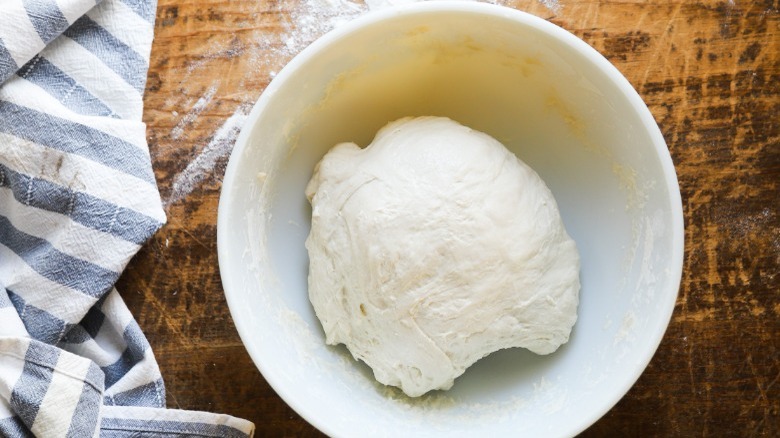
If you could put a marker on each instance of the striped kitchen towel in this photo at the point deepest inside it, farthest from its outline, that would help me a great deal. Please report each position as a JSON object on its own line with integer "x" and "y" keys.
{"x": 78, "y": 198}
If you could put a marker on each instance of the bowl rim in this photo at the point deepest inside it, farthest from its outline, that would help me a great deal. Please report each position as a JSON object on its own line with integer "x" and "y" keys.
{"x": 457, "y": 6}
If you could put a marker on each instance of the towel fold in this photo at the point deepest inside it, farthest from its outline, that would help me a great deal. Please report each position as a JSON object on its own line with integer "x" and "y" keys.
{"x": 78, "y": 198}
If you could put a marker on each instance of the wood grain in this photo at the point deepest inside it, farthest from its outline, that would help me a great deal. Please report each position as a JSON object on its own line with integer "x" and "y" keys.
{"x": 710, "y": 73}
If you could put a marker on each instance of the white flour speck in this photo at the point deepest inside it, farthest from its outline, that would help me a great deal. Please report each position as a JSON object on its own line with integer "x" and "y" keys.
{"x": 553, "y": 5}
{"x": 203, "y": 165}
{"x": 193, "y": 114}
{"x": 233, "y": 50}
{"x": 302, "y": 23}
{"x": 382, "y": 4}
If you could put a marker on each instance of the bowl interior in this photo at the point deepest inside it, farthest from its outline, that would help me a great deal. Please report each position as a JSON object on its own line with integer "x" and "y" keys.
{"x": 555, "y": 103}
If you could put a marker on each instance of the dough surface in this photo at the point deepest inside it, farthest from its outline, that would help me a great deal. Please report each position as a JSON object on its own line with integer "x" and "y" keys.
{"x": 433, "y": 247}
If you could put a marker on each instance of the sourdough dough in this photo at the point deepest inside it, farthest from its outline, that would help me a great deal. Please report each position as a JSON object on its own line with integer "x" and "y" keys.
{"x": 433, "y": 247}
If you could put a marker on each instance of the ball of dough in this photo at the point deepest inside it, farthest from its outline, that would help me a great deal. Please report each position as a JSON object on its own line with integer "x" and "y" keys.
{"x": 433, "y": 247}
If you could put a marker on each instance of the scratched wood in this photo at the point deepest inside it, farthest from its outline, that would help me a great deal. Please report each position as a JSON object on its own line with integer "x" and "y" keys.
{"x": 710, "y": 73}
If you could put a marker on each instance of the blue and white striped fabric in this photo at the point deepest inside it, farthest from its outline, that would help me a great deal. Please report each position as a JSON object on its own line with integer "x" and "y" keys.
{"x": 78, "y": 198}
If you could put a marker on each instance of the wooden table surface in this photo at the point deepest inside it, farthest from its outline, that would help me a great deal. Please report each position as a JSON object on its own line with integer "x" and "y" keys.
{"x": 710, "y": 73}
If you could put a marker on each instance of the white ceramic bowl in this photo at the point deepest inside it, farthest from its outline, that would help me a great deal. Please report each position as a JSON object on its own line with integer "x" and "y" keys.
{"x": 551, "y": 99}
